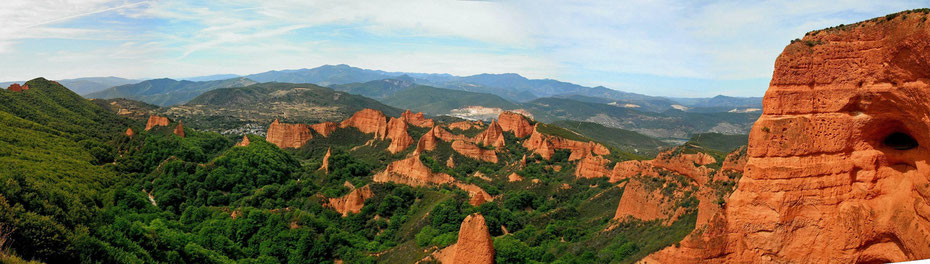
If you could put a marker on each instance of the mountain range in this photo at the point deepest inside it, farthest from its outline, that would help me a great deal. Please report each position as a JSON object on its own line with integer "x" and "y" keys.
{"x": 87, "y": 85}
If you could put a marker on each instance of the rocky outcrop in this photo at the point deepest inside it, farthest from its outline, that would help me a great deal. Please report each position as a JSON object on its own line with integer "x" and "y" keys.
{"x": 836, "y": 169}
{"x": 155, "y": 121}
{"x": 411, "y": 171}
{"x": 129, "y": 132}
{"x": 492, "y": 136}
{"x": 474, "y": 245}
{"x": 17, "y": 88}
{"x": 416, "y": 119}
{"x": 397, "y": 133}
{"x": 690, "y": 165}
{"x": 545, "y": 146}
{"x": 591, "y": 167}
{"x": 325, "y": 166}
{"x": 179, "y": 130}
{"x": 325, "y": 128}
{"x": 466, "y": 125}
{"x": 472, "y": 151}
{"x": 639, "y": 203}
{"x": 351, "y": 202}
{"x": 430, "y": 140}
{"x": 368, "y": 121}
{"x": 627, "y": 169}
{"x": 450, "y": 163}
{"x": 513, "y": 177}
{"x": 516, "y": 123}
{"x": 288, "y": 135}
{"x": 244, "y": 143}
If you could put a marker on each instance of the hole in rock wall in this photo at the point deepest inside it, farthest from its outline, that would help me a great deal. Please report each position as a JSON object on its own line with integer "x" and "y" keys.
{"x": 900, "y": 141}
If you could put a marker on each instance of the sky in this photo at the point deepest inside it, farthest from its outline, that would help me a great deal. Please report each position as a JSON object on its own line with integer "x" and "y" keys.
{"x": 661, "y": 47}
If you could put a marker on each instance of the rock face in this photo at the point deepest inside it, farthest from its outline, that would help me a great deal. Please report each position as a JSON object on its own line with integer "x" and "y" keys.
{"x": 466, "y": 125}
{"x": 513, "y": 177}
{"x": 397, "y": 133}
{"x": 179, "y": 130}
{"x": 836, "y": 169}
{"x": 430, "y": 140}
{"x": 591, "y": 167}
{"x": 288, "y": 135}
{"x": 450, "y": 163}
{"x": 325, "y": 128}
{"x": 546, "y": 145}
{"x": 411, "y": 171}
{"x": 368, "y": 121}
{"x": 17, "y": 88}
{"x": 129, "y": 132}
{"x": 474, "y": 245}
{"x": 416, "y": 119}
{"x": 472, "y": 151}
{"x": 155, "y": 121}
{"x": 516, "y": 123}
{"x": 639, "y": 203}
{"x": 351, "y": 202}
{"x": 244, "y": 143}
{"x": 325, "y": 166}
{"x": 689, "y": 165}
{"x": 492, "y": 136}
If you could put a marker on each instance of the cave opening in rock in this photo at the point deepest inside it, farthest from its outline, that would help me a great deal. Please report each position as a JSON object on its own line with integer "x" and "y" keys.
{"x": 900, "y": 141}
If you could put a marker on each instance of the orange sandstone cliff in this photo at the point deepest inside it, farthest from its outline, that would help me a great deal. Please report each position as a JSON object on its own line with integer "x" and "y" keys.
{"x": 244, "y": 143}
{"x": 17, "y": 88}
{"x": 179, "y": 130}
{"x": 397, "y": 132}
{"x": 351, "y": 202}
{"x": 325, "y": 128}
{"x": 516, "y": 123}
{"x": 288, "y": 135}
{"x": 416, "y": 119}
{"x": 474, "y": 245}
{"x": 472, "y": 151}
{"x": 836, "y": 169}
{"x": 129, "y": 132}
{"x": 368, "y": 121}
{"x": 155, "y": 121}
{"x": 492, "y": 136}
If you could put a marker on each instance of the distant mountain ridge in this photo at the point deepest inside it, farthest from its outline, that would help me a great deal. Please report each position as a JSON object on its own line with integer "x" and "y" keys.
{"x": 167, "y": 92}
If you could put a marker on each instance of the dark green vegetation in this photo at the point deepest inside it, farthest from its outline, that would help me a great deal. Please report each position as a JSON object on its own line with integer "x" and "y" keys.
{"x": 437, "y": 101}
{"x": 719, "y": 142}
{"x": 167, "y": 92}
{"x": 379, "y": 89}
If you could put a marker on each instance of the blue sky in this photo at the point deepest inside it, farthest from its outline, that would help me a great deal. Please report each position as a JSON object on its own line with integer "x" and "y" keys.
{"x": 667, "y": 48}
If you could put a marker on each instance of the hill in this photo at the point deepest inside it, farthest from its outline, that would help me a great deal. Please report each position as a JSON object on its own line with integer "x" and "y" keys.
{"x": 438, "y": 101}
{"x": 167, "y": 92}
{"x": 88, "y": 84}
{"x": 324, "y": 75}
{"x": 230, "y": 108}
{"x": 378, "y": 89}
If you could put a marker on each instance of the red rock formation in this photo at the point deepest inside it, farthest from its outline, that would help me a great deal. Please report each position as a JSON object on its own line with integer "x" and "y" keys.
{"x": 627, "y": 169}
{"x": 325, "y": 166}
{"x": 325, "y": 128}
{"x": 17, "y": 88}
{"x": 450, "y": 163}
{"x": 155, "y": 121}
{"x": 492, "y": 136}
{"x": 472, "y": 151}
{"x": 523, "y": 161}
{"x": 416, "y": 119}
{"x": 288, "y": 135}
{"x": 430, "y": 140}
{"x": 179, "y": 130}
{"x": 245, "y": 142}
{"x": 516, "y": 123}
{"x": 351, "y": 202}
{"x": 411, "y": 171}
{"x": 546, "y": 145}
{"x": 466, "y": 125}
{"x": 827, "y": 179}
{"x": 591, "y": 167}
{"x": 513, "y": 177}
{"x": 368, "y": 121}
{"x": 639, "y": 203}
{"x": 689, "y": 165}
{"x": 129, "y": 132}
{"x": 397, "y": 133}
{"x": 474, "y": 245}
